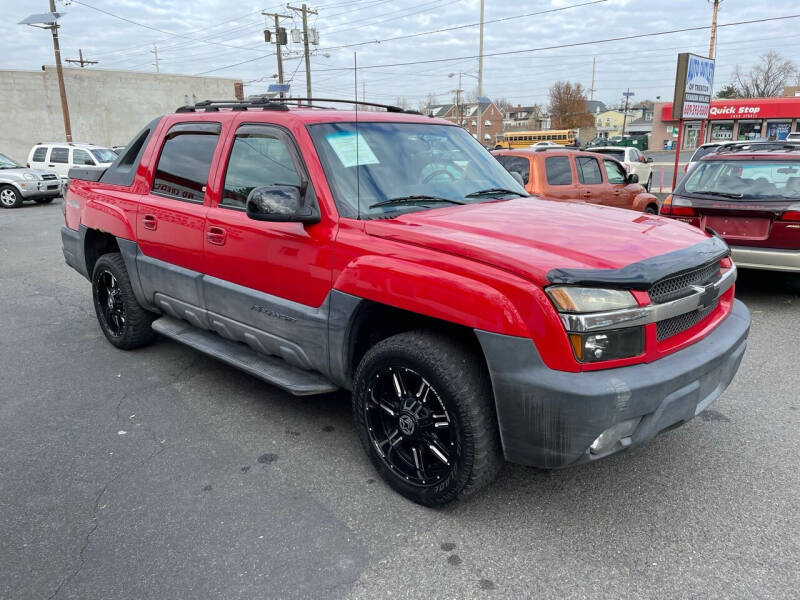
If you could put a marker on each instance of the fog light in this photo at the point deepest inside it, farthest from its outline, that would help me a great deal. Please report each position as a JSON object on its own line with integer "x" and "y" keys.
{"x": 611, "y": 436}
{"x": 608, "y": 345}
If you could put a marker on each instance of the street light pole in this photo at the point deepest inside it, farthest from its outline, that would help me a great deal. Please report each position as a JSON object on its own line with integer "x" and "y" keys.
{"x": 61, "y": 89}
{"x": 480, "y": 80}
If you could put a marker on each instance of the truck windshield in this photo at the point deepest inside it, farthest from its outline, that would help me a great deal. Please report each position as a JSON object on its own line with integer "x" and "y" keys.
{"x": 383, "y": 168}
{"x": 745, "y": 179}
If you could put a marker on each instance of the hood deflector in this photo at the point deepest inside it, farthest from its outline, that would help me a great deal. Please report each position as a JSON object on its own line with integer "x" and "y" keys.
{"x": 643, "y": 274}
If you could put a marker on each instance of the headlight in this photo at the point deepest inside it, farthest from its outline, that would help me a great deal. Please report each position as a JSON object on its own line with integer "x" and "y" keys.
{"x": 30, "y": 176}
{"x": 572, "y": 299}
{"x": 607, "y": 345}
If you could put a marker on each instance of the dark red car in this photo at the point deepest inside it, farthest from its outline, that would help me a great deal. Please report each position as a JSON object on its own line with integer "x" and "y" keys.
{"x": 750, "y": 196}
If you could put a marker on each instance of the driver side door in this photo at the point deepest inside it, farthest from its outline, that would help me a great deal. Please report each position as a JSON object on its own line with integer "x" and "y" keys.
{"x": 620, "y": 194}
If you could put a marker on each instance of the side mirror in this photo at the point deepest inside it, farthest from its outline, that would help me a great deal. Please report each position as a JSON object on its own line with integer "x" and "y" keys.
{"x": 280, "y": 204}
{"x": 648, "y": 159}
{"x": 518, "y": 177}
{"x": 632, "y": 178}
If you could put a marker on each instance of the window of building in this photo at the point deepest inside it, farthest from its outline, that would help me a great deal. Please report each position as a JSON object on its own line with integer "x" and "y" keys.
{"x": 749, "y": 130}
{"x": 558, "y": 170}
{"x": 39, "y": 154}
{"x": 259, "y": 157}
{"x": 487, "y": 123}
{"x": 182, "y": 170}
{"x": 59, "y": 155}
{"x": 721, "y": 132}
{"x": 588, "y": 170}
{"x": 81, "y": 157}
{"x": 614, "y": 172}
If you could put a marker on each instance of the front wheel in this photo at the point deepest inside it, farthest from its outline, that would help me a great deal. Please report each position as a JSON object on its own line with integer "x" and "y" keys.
{"x": 10, "y": 197}
{"x": 423, "y": 410}
{"x": 123, "y": 321}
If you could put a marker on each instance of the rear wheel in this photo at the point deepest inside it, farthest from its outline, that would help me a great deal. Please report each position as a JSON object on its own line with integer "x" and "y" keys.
{"x": 123, "y": 321}
{"x": 10, "y": 197}
{"x": 423, "y": 410}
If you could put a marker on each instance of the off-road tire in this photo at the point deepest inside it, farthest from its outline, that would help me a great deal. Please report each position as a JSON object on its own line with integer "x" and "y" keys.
{"x": 136, "y": 331}
{"x": 460, "y": 380}
{"x": 10, "y": 197}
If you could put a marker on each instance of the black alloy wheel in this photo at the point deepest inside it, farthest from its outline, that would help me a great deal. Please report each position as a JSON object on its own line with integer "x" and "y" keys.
{"x": 109, "y": 299}
{"x": 409, "y": 426}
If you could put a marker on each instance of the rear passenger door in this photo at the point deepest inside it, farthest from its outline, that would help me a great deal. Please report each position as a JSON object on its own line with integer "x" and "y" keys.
{"x": 59, "y": 161}
{"x": 559, "y": 179}
{"x": 592, "y": 186}
{"x": 171, "y": 217}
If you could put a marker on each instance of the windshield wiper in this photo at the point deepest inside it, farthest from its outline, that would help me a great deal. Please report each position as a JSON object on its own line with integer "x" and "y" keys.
{"x": 722, "y": 194}
{"x": 494, "y": 190}
{"x": 414, "y": 199}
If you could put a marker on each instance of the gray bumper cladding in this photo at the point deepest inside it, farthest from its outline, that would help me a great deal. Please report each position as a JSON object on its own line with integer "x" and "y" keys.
{"x": 549, "y": 418}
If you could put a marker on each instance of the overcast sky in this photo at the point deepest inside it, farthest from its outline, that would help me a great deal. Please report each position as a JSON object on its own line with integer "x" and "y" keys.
{"x": 211, "y": 36}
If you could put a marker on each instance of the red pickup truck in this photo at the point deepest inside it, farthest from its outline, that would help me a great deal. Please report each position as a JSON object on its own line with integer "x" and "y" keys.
{"x": 389, "y": 254}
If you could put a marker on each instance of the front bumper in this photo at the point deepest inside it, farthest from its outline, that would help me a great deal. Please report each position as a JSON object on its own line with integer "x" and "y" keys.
{"x": 549, "y": 418}
{"x": 770, "y": 259}
{"x": 40, "y": 189}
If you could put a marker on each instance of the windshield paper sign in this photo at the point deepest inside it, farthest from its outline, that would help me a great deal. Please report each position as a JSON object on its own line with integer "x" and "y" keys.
{"x": 693, "y": 85}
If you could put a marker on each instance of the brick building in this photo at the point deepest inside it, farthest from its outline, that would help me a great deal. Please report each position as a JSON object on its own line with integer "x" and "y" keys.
{"x": 467, "y": 115}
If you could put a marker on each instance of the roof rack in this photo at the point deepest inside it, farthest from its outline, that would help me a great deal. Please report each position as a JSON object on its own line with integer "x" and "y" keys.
{"x": 282, "y": 104}
{"x": 549, "y": 148}
{"x": 761, "y": 146}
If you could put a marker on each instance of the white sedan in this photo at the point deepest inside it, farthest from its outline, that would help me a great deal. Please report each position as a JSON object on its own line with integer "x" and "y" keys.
{"x": 633, "y": 161}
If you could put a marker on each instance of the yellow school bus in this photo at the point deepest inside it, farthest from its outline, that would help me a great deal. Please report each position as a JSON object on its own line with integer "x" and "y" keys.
{"x": 523, "y": 139}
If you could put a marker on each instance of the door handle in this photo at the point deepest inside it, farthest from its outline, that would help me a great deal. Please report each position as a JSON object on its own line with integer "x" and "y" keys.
{"x": 51, "y": 165}
{"x": 216, "y": 235}
{"x": 150, "y": 222}
{"x": 586, "y": 193}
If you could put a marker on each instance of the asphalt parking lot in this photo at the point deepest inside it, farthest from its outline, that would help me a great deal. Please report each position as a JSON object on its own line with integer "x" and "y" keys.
{"x": 161, "y": 473}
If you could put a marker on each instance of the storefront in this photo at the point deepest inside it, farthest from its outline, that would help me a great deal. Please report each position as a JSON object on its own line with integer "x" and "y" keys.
{"x": 730, "y": 120}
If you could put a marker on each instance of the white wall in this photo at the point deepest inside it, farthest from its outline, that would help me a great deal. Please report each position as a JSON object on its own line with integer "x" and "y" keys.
{"x": 106, "y": 107}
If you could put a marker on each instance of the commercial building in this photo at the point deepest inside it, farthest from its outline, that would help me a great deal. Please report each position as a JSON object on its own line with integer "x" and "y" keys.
{"x": 737, "y": 120}
{"x": 106, "y": 107}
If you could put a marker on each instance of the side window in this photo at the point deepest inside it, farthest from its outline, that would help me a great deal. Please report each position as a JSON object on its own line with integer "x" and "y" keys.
{"x": 614, "y": 171}
{"x": 259, "y": 157}
{"x": 81, "y": 157}
{"x": 185, "y": 161}
{"x": 518, "y": 164}
{"x": 558, "y": 170}
{"x": 59, "y": 155}
{"x": 39, "y": 154}
{"x": 588, "y": 170}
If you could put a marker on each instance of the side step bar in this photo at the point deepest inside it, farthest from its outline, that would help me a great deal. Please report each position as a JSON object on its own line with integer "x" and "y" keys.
{"x": 269, "y": 368}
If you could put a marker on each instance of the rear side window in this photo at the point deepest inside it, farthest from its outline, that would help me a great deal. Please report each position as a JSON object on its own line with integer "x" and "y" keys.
{"x": 81, "y": 157}
{"x": 516, "y": 163}
{"x": 701, "y": 152}
{"x": 558, "y": 170}
{"x": 614, "y": 172}
{"x": 39, "y": 154}
{"x": 123, "y": 171}
{"x": 59, "y": 155}
{"x": 185, "y": 161}
{"x": 588, "y": 170}
{"x": 259, "y": 157}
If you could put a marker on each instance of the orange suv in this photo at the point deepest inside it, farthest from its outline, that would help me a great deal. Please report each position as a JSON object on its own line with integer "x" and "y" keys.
{"x": 560, "y": 174}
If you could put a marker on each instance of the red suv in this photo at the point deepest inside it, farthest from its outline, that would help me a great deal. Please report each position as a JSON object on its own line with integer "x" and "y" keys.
{"x": 750, "y": 195}
{"x": 389, "y": 254}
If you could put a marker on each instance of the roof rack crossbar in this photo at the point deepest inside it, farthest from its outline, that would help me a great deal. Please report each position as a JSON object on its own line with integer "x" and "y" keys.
{"x": 281, "y": 104}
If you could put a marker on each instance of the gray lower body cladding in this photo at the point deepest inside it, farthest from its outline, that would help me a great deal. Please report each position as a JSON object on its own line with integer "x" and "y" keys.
{"x": 549, "y": 418}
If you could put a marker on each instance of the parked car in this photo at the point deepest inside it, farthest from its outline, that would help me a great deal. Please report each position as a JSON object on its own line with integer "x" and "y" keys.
{"x": 793, "y": 137}
{"x": 62, "y": 156}
{"x": 701, "y": 151}
{"x": 18, "y": 183}
{"x": 546, "y": 144}
{"x": 395, "y": 258}
{"x": 750, "y": 196}
{"x": 633, "y": 161}
{"x": 561, "y": 174}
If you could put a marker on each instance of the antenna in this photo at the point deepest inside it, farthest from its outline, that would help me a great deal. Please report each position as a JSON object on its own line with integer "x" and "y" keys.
{"x": 358, "y": 167}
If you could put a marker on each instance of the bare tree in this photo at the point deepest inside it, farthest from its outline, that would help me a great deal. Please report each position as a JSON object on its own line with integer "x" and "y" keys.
{"x": 402, "y": 102}
{"x": 502, "y": 105}
{"x": 765, "y": 79}
{"x": 568, "y": 108}
{"x": 728, "y": 91}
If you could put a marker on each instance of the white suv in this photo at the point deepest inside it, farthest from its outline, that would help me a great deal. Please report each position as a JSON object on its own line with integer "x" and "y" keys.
{"x": 633, "y": 161}
{"x": 62, "y": 156}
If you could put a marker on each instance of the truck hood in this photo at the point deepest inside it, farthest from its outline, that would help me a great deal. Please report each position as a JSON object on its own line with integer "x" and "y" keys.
{"x": 531, "y": 236}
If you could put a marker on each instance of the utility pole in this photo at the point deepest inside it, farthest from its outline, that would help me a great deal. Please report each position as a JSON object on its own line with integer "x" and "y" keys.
{"x": 154, "y": 51}
{"x": 305, "y": 12}
{"x": 61, "y": 89}
{"x": 591, "y": 89}
{"x": 713, "y": 42}
{"x": 627, "y": 95}
{"x": 80, "y": 60}
{"x": 480, "y": 79}
{"x": 280, "y": 40}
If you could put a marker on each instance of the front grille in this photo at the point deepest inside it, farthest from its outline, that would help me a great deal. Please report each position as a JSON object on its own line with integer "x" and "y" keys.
{"x": 49, "y": 176}
{"x": 669, "y": 327}
{"x": 677, "y": 286}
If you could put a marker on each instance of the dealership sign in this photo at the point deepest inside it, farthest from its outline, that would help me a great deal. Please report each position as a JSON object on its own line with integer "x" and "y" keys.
{"x": 693, "y": 82}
